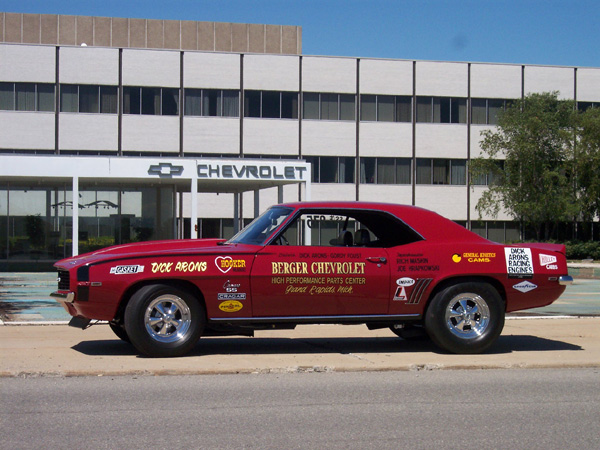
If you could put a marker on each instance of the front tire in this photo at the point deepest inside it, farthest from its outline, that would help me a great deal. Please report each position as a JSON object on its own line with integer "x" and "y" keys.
{"x": 164, "y": 321}
{"x": 465, "y": 317}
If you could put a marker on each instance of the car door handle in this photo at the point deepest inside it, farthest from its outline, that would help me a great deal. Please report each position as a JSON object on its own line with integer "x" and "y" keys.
{"x": 377, "y": 259}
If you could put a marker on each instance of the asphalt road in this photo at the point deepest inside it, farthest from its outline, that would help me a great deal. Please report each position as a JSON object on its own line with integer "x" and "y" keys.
{"x": 538, "y": 409}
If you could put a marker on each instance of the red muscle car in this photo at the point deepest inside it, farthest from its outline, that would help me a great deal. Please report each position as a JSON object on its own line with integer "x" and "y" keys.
{"x": 379, "y": 264}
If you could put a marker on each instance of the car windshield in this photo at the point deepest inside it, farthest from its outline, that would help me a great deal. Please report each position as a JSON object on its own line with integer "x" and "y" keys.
{"x": 257, "y": 232}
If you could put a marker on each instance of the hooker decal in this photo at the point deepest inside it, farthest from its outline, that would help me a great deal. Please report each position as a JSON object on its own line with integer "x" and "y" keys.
{"x": 226, "y": 263}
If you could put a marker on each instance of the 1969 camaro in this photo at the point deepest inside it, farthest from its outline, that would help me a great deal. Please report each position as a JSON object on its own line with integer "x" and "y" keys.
{"x": 379, "y": 264}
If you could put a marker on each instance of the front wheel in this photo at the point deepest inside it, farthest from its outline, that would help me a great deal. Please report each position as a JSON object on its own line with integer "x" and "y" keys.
{"x": 164, "y": 321}
{"x": 465, "y": 317}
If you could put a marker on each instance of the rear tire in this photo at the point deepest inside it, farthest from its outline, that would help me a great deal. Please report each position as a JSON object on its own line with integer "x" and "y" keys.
{"x": 119, "y": 331}
{"x": 465, "y": 317}
{"x": 164, "y": 321}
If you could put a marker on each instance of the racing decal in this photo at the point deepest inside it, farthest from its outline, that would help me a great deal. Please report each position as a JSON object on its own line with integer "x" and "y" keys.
{"x": 180, "y": 266}
{"x": 519, "y": 262}
{"x": 126, "y": 270}
{"x": 226, "y": 263}
{"x": 318, "y": 268}
{"x": 402, "y": 283}
{"x": 301, "y": 277}
{"x": 408, "y": 262}
{"x": 230, "y": 306}
{"x": 549, "y": 261}
{"x": 525, "y": 286}
{"x": 230, "y": 287}
{"x": 483, "y": 257}
{"x": 416, "y": 293}
{"x": 231, "y": 296}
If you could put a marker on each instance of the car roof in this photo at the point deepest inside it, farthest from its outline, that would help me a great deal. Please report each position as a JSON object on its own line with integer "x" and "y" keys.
{"x": 429, "y": 224}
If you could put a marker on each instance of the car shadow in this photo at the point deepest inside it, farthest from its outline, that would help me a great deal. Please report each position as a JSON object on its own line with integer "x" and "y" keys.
{"x": 344, "y": 346}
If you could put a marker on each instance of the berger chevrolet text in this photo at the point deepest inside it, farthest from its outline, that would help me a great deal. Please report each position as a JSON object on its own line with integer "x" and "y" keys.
{"x": 383, "y": 265}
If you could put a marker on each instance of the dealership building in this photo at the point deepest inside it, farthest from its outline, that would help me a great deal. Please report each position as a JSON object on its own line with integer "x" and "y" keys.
{"x": 117, "y": 130}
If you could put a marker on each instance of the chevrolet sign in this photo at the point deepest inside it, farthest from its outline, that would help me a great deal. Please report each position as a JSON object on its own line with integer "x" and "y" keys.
{"x": 251, "y": 171}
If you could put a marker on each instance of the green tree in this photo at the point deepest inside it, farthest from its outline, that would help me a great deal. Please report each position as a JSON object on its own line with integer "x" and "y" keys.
{"x": 587, "y": 164}
{"x": 534, "y": 138}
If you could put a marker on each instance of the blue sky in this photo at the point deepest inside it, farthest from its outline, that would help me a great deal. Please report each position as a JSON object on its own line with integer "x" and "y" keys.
{"x": 554, "y": 32}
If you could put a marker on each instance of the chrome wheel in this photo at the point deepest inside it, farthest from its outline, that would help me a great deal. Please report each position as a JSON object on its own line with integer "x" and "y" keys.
{"x": 167, "y": 318}
{"x": 467, "y": 315}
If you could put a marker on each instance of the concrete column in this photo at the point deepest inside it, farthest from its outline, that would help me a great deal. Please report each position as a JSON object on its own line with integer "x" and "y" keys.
{"x": 236, "y": 213}
{"x": 256, "y": 203}
{"x": 194, "y": 209}
{"x": 75, "y": 235}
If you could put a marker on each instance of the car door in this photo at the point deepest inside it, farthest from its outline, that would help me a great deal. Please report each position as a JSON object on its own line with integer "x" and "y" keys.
{"x": 337, "y": 279}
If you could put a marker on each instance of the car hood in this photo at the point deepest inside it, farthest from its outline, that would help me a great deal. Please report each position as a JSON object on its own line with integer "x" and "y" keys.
{"x": 157, "y": 248}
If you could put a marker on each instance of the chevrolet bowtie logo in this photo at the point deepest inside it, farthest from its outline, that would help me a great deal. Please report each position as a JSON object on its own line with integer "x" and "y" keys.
{"x": 165, "y": 170}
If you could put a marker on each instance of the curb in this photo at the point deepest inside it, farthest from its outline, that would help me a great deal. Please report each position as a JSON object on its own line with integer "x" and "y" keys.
{"x": 288, "y": 370}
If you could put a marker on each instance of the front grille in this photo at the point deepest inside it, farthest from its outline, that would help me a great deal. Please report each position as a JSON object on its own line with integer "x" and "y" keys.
{"x": 64, "y": 280}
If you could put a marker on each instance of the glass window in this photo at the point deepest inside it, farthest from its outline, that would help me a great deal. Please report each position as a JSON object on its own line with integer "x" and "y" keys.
{"x": 314, "y": 165}
{"x": 478, "y": 111}
{"x": 494, "y": 106}
{"x": 403, "y": 109}
{"x": 69, "y": 98}
{"x": 459, "y": 172}
{"x": 368, "y": 108}
{"x": 329, "y": 169}
{"x": 45, "y": 97}
{"x": 289, "y": 105}
{"x": 495, "y": 231}
{"x": 271, "y": 104}
{"x": 252, "y": 104}
{"x": 403, "y": 175}
{"x": 150, "y": 101}
{"x": 385, "y": 108}
{"x": 458, "y": 110}
{"x": 424, "y": 109}
{"x": 367, "y": 170}
{"x": 444, "y": 105}
{"x": 385, "y": 171}
{"x": 441, "y": 171}
{"x": 231, "y": 103}
{"x": 211, "y": 102}
{"x": 424, "y": 171}
{"x": 347, "y": 165}
{"x": 193, "y": 102}
{"x": 347, "y": 107}
{"x": 479, "y": 228}
{"x": 170, "y": 102}
{"x": 7, "y": 96}
{"x": 89, "y": 101}
{"x": 25, "y": 96}
{"x": 329, "y": 107}
{"x": 311, "y": 106}
{"x": 132, "y": 100}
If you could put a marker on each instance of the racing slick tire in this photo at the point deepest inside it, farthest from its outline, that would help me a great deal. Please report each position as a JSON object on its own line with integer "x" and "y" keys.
{"x": 164, "y": 321}
{"x": 119, "y": 331}
{"x": 465, "y": 317}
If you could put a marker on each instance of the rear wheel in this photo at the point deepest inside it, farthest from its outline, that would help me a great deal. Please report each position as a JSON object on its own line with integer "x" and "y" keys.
{"x": 119, "y": 331}
{"x": 164, "y": 321}
{"x": 465, "y": 317}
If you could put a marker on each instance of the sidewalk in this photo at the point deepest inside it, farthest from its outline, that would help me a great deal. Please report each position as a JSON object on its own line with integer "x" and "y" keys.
{"x": 65, "y": 351}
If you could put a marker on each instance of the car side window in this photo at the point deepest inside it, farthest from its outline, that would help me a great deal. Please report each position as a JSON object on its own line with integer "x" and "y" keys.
{"x": 346, "y": 228}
